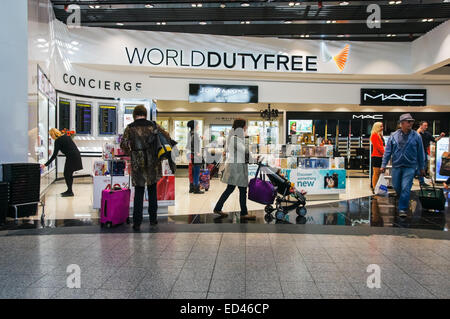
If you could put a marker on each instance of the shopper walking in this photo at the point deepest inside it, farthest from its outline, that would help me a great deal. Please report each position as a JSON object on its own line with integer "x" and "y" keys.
{"x": 145, "y": 167}
{"x": 236, "y": 169}
{"x": 377, "y": 141}
{"x": 193, "y": 147}
{"x": 406, "y": 149}
{"x": 427, "y": 138}
{"x": 66, "y": 145}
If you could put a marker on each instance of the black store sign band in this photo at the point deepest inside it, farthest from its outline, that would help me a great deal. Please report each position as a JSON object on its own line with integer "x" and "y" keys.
{"x": 394, "y": 97}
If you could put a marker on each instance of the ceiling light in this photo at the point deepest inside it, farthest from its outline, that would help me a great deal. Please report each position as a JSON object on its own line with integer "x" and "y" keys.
{"x": 94, "y": 7}
{"x": 329, "y": 21}
{"x": 288, "y": 22}
{"x": 119, "y": 24}
{"x": 340, "y": 36}
{"x": 343, "y": 3}
{"x": 223, "y": 5}
{"x": 424, "y": 20}
{"x": 163, "y": 23}
{"x": 307, "y": 36}
{"x": 302, "y": 36}
{"x": 245, "y": 4}
{"x": 430, "y": 20}
{"x": 202, "y": 22}
{"x": 394, "y": 35}
{"x": 148, "y": 6}
{"x": 398, "y": 2}
{"x": 334, "y": 21}
{"x": 247, "y": 22}
{"x": 297, "y": 3}
{"x": 41, "y": 40}
{"x": 74, "y": 43}
{"x": 291, "y": 4}
{"x": 391, "y": 2}
{"x": 199, "y": 5}
{"x": 158, "y": 23}
{"x": 193, "y": 5}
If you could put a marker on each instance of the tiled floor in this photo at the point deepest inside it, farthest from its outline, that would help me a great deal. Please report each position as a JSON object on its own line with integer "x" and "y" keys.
{"x": 80, "y": 206}
{"x": 223, "y": 265}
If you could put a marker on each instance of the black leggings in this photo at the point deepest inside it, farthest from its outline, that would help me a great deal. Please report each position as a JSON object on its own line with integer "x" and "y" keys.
{"x": 242, "y": 198}
{"x": 139, "y": 203}
{"x": 68, "y": 176}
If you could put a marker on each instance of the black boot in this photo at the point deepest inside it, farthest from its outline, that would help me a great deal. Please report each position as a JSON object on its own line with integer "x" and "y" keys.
{"x": 197, "y": 190}
{"x": 191, "y": 188}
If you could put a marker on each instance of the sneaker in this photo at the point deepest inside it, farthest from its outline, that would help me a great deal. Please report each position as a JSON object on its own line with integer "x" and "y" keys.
{"x": 402, "y": 213}
{"x": 67, "y": 194}
{"x": 221, "y": 213}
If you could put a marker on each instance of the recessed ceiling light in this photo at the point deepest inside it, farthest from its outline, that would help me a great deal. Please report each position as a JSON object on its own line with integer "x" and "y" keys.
{"x": 398, "y": 2}
{"x": 247, "y": 22}
{"x": 302, "y": 36}
{"x": 424, "y": 20}
{"x": 158, "y": 23}
{"x": 119, "y": 24}
{"x": 223, "y": 5}
{"x": 329, "y": 21}
{"x": 202, "y": 22}
{"x": 430, "y": 20}
{"x": 391, "y": 2}
{"x": 297, "y": 3}
{"x": 199, "y": 5}
{"x": 288, "y": 22}
{"x": 291, "y": 4}
{"x": 340, "y": 36}
{"x": 245, "y": 4}
{"x": 334, "y": 21}
{"x": 343, "y": 3}
{"x": 307, "y": 36}
{"x": 148, "y": 6}
{"x": 163, "y": 23}
{"x": 394, "y": 35}
{"x": 94, "y": 7}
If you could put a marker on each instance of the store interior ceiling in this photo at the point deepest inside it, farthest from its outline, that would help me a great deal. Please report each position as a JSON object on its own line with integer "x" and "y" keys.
{"x": 401, "y": 21}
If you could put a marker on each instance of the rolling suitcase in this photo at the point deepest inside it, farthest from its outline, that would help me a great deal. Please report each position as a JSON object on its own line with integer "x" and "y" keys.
{"x": 205, "y": 179}
{"x": 115, "y": 206}
{"x": 432, "y": 198}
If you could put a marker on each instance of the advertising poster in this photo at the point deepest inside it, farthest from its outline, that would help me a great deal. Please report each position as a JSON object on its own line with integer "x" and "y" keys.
{"x": 441, "y": 147}
{"x": 322, "y": 181}
{"x": 300, "y": 126}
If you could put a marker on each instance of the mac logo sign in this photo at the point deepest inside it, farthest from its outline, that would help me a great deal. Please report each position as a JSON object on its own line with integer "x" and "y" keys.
{"x": 393, "y": 97}
{"x": 367, "y": 117}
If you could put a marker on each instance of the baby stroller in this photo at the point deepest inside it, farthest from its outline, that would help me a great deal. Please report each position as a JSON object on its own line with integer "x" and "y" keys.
{"x": 290, "y": 198}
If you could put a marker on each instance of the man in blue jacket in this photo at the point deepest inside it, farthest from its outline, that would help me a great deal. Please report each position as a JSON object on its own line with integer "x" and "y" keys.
{"x": 406, "y": 149}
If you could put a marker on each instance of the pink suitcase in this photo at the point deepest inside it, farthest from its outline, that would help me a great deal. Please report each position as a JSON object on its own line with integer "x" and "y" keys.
{"x": 115, "y": 209}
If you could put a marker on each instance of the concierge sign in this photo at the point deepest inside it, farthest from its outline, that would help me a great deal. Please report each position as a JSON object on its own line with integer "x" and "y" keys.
{"x": 393, "y": 97}
{"x": 212, "y": 93}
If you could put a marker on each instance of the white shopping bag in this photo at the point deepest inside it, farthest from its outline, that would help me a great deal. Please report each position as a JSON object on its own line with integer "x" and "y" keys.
{"x": 382, "y": 186}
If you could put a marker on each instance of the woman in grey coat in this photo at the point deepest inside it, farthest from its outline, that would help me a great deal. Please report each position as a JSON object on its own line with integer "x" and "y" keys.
{"x": 236, "y": 169}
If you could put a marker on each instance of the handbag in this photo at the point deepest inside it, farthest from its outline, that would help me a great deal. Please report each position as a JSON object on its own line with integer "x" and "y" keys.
{"x": 444, "y": 170}
{"x": 260, "y": 190}
{"x": 381, "y": 188}
{"x": 432, "y": 198}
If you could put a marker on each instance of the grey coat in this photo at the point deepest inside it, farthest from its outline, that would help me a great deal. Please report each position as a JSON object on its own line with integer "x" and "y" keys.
{"x": 236, "y": 170}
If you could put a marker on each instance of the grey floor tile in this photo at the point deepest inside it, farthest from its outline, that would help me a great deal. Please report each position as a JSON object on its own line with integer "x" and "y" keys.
{"x": 228, "y": 274}
{"x": 68, "y": 293}
{"x": 218, "y": 295}
{"x": 19, "y": 281}
{"x": 27, "y": 293}
{"x": 260, "y": 275}
{"x": 336, "y": 288}
{"x": 227, "y": 286}
{"x": 317, "y": 258}
{"x": 315, "y": 267}
{"x": 149, "y": 294}
{"x": 328, "y": 276}
{"x": 340, "y": 297}
{"x": 187, "y": 295}
{"x": 440, "y": 291}
{"x": 362, "y": 290}
{"x": 264, "y": 296}
{"x": 112, "y": 294}
{"x": 300, "y": 296}
{"x": 431, "y": 279}
{"x": 410, "y": 290}
{"x": 268, "y": 265}
{"x": 191, "y": 285}
{"x": 303, "y": 275}
{"x": 263, "y": 287}
{"x": 299, "y": 288}
{"x": 199, "y": 264}
{"x": 192, "y": 273}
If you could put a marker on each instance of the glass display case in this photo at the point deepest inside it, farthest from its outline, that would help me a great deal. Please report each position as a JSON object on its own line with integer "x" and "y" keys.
{"x": 180, "y": 136}
{"x": 164, "y": 124}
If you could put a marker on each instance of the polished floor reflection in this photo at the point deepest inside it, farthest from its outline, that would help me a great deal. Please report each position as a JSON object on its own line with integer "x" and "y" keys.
{"x": 371, "y": 211}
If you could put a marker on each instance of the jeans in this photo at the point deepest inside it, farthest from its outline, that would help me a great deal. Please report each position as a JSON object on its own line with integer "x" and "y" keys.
{"x": 196, "y": 174}
{"x": 227, "y": 193}
{"x": 139, "y": 203}
{"x": 402, "y": 180}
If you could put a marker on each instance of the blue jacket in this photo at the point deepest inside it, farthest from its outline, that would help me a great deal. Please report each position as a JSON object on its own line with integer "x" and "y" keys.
{"x": 412, "y": 154}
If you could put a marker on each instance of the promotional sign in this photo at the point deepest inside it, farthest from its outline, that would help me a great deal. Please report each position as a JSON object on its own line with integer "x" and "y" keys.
{"x": 393, "y": 97}
{"x": 212, "y": 93}
{"x": 441, "y": 147}
{"x": 318, "y": 181}
{"x": 165, "y": 190}
{"x": 300, "y": 126}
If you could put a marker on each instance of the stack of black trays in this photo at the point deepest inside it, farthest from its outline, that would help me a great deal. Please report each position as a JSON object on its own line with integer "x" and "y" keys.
{"x": 24, "y": 187}
{"x": 4, "y": 195}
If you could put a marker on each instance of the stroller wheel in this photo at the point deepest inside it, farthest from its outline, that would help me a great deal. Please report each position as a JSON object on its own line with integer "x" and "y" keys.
{"x": 280, "y": 215}
{"x": 268, "y": 218}
{"x": 301, "y": 211}
{"x": 268, "y": 209}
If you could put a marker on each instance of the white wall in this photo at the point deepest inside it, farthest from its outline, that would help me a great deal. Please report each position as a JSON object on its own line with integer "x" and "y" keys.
{"x": 13, "y": 81}
{"x": 431, "y": 49}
